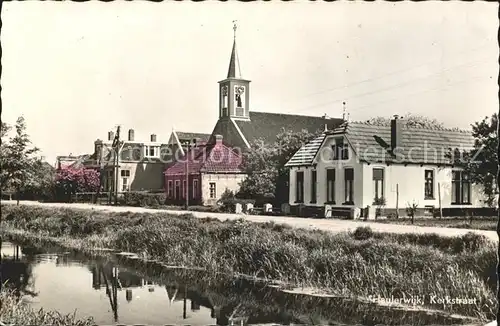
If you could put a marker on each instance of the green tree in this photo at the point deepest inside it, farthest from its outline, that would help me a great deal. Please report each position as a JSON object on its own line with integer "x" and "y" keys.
{"x": 265, "y": 166}
{"x": 41, "y": 181}
{"x": 17, "y": 159}
{"x": 4, "y": 154}
{"x": 412, "y": 120}
{"x": 481, "y": 163}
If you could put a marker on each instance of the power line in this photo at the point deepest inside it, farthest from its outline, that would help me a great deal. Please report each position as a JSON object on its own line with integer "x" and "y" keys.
{"x": 389, "y": 74}
{"x": 474, "y": 63}
{"x": 358, "y": 109}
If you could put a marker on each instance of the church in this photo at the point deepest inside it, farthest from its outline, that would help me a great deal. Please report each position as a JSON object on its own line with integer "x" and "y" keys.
{"x": 235, "y": 131}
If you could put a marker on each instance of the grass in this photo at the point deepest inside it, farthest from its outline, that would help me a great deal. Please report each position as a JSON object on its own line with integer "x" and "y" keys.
{"x": 359, "y": 264}
{"x": 478, "y": 223}
{"x": 16, "y": 312}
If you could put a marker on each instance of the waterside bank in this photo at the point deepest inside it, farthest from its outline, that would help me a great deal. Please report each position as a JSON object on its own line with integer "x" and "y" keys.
{"x": 358, "y": 265}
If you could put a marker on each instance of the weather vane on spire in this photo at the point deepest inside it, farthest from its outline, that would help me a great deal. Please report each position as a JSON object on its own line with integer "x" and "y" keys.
{"x": 234, "y": 27}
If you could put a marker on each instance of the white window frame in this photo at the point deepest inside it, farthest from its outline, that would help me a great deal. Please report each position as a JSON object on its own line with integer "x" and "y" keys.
{"x": 155, "y": 150}
{"x": 210, "y": 190}
{"x": 382, "y": 190}
{"x": 125, "y": 185}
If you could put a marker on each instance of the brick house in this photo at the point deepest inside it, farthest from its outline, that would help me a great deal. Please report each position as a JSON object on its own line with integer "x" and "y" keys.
{"x": 209, "y": 169}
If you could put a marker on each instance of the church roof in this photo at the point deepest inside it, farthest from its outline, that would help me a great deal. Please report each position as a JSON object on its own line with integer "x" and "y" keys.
{"x": 371, "y": 143}
{"x": 267, "y": 126}
{"x": 233, "y": 61}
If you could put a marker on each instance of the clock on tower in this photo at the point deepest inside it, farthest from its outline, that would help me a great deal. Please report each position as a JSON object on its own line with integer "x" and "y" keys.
{"x": 234, "y": 90}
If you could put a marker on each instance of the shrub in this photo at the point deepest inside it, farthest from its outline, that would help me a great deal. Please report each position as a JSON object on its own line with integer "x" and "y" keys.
{"x": 144, "y": 199}
{"x": 379, "y": 202}
{"x": 228, "y": 201}
{"x": 411, "y": 210}
{"x": 363, "y": 233}
{"x": 210, "y": 209}
{"x": 69, "y": 181}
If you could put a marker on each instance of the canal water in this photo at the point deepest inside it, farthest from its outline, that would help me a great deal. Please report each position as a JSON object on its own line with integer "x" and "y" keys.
{"x": 70, "y": 282}
{"x": 114, "y": 290}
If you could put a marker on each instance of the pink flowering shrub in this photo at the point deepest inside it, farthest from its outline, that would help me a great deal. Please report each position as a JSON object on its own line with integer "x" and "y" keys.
{"x": 69, "y": 181}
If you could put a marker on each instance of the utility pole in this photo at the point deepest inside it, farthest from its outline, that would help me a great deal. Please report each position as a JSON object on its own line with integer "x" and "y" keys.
{"x": 187, "y": 178}
{"x": 101, "y": 171}
{"x": 117, "y": 162}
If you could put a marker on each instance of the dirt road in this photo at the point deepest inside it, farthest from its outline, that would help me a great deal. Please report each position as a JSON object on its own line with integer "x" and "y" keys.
{"x": 332, "y": 225}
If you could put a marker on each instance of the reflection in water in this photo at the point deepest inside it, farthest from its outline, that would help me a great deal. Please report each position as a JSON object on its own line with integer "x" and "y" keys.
{"x": 109, "y": 292}
{"x": 16, "y": 272}
{"x": 111, "y": 279}
{"x": 21, "y": 265}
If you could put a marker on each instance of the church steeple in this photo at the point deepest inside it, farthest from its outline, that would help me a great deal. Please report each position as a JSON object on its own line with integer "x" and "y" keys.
{"x": 234, "y": 91}
{"x": 234, "y": 61}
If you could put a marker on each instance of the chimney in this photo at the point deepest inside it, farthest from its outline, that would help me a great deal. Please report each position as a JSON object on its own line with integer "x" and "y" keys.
{"x": 111, "y": 135}
{"x": 153, "y": 138}
{"x": 131, "y": 134}
{"x": 396, "y": 132}
{"x": 218, "y": 139}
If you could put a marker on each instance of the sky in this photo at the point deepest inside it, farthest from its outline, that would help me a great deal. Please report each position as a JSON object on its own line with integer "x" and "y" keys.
{"x": 77, "y": 70}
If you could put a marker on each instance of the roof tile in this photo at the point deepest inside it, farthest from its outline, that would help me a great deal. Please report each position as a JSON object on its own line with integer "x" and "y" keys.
{"x": 371, "y": 143}
{"x": 212, "y": 158}
{"x": 267, "y": 125}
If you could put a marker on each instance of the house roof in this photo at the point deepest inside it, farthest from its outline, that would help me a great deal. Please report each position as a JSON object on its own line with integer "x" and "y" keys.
{"x": 305, "y": 155}
{"x": 267, "y": 126}
{"x": 192, "y": 135}
{"x": 79, "y": 162}
{"x": 210, "y": 158}
{"x": 372, "y": 143}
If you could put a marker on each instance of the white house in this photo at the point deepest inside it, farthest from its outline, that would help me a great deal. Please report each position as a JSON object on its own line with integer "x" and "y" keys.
{"x": 348, "y": 168}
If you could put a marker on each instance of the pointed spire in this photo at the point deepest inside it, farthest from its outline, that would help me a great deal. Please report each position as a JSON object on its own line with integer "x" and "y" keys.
{"x": 231, "y": 73}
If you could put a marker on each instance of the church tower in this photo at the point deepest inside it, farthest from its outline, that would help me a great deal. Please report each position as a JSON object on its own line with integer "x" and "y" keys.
{"x": 234, "y": 92}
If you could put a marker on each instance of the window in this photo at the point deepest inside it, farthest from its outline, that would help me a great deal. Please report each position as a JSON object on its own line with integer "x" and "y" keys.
{"x": 330, "y": 186}
{"x": 124, "y": 184}
{"x": 170, "y": 189}
{"x": 195, "y": 189}
{"x": 340, "y": 150}
{"x": 184, "y": 189}
{"x": 460, "y": 188}
{"x": 177, "y": 194}
{"x": 378, "y": 183}
{"x": 349, "y": 183}
{"x": 151, "y": 151}
{"x": 224, "y": 100}
{"x": 429, "y": 184}
{"x": 213, "y": 192}
{"x": 299, "y": 190}
{"x": 125, "y": 173}
{"x": 313, "y": 186}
